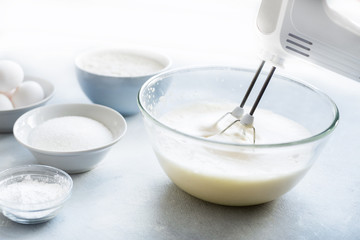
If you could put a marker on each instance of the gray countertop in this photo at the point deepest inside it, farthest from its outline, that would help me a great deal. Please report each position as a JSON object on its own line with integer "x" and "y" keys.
{"x": 129, "y": 196}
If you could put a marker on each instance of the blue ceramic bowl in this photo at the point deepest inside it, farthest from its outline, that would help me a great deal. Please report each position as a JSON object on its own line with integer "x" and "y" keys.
{"x": 117, "y": 90}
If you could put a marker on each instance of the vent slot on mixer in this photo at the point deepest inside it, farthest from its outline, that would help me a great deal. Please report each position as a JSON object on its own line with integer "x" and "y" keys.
{"x": 298, "y": 45}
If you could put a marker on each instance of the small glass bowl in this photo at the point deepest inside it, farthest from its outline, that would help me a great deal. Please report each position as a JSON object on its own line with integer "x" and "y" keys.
{"x": 25, "y": 193}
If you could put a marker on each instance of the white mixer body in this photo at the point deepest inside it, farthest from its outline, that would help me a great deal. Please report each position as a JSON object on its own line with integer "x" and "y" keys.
{"x": 306, "y": 29}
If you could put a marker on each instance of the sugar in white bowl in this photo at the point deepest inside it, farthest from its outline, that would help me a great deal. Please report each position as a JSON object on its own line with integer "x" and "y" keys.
{"x": 70, "y": 133}
{"x": 72, "y": 137}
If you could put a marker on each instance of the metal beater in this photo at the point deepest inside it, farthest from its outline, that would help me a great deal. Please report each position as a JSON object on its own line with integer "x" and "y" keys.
{"x": 246, "y": 121}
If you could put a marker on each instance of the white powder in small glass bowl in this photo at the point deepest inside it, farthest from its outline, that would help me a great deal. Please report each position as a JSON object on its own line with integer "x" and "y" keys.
{"x": 33, "y": 193}
{"x": 26, "y": 189}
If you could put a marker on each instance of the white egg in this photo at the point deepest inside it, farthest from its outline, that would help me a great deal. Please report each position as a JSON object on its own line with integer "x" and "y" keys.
{"x": 11, "y": 75}
{"x": 27, "y": 93}
{"x": 5, "y": 103}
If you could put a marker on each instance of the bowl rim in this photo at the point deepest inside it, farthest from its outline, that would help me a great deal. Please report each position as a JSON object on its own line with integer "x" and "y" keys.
{"x": 138, "y": 51}
{"x": 310, "y": 87}
{"x": 37, "y": 206}
{"x": 69, "y": 153}
{"x": 42, "y": 101}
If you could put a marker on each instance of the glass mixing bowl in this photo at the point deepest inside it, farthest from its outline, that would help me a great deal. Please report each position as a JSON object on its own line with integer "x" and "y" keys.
{"x": 235, "y": 174}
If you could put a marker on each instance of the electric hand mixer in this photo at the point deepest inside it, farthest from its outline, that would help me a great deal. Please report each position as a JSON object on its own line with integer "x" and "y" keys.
{"x": 312, "y": 30}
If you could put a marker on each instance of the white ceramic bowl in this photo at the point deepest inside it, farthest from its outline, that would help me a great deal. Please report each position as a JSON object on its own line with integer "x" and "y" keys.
{"x": 8, "y": 117}
{"x": 116, "y": 89}
{"x": 70, "y": 161}
{"x": 15, "y": 182}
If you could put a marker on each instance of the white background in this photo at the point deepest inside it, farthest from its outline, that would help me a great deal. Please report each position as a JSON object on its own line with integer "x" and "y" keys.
{"x": 44, "y": 36}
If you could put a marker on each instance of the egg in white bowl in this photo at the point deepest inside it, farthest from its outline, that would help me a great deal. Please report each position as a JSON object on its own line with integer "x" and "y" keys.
{"x": 11, "y": 75}
{"x": 9, "y": 114}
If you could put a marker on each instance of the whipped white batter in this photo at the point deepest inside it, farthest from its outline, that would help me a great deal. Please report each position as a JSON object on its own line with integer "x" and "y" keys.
{"x": 199, "y": 120}
{"x": 232, "y": 175}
